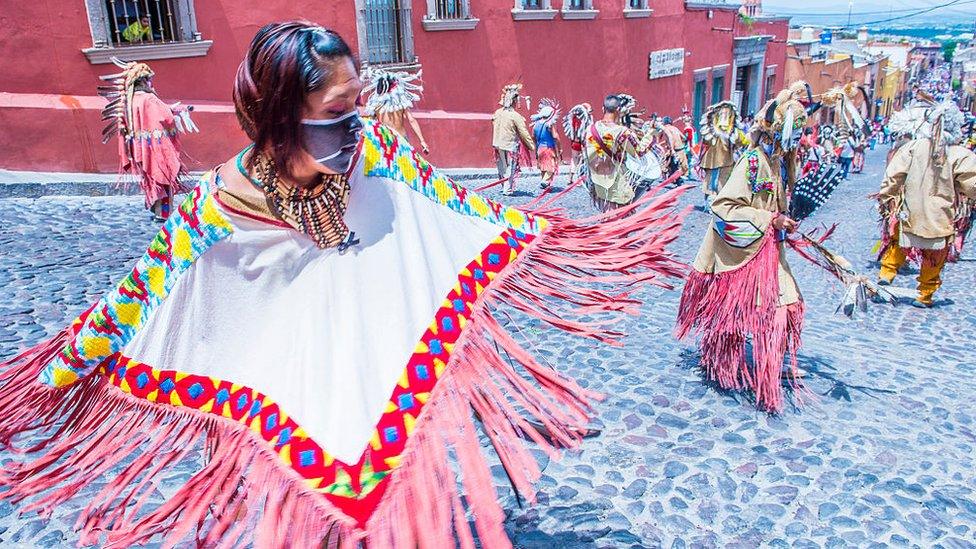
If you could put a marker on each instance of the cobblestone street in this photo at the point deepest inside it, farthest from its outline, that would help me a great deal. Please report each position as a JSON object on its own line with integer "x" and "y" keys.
{"x": 884, "y": 456}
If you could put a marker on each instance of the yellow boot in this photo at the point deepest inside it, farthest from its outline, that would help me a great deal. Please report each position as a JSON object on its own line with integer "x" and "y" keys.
{"x": 891, "y": 261}
{"x": 929, "y": 276}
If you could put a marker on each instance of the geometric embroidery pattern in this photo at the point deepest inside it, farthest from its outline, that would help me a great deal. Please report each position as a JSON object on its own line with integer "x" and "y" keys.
{"x": 195, "y": 226}
{"x": 354, "y": 488}
{"x": 739, "y": 234}
{"x": 386, "y": 155}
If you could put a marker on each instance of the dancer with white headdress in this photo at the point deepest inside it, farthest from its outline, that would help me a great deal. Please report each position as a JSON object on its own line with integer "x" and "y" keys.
{"x": 924, "y": 193}
{"x": 148, "y": 133}
{"x": 548, "y": 149}
{"x": 390, "y": 97}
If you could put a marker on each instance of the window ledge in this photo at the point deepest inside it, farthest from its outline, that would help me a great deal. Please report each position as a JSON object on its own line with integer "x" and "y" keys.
{"x": 573, "y": 14}
{"x": 403, "y": 67}
{"x": 449, "y": 24}
{"x": 631, "y": 13}
{"x": 173, "y": 50}
{"x": 534, "y": 15}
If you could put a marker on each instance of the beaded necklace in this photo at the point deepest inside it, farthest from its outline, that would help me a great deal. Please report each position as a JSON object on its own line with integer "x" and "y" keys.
{"x": 315, "y": 211}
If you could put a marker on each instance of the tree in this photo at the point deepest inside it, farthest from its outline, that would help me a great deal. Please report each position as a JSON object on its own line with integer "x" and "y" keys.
{"x": 949, "y": 49}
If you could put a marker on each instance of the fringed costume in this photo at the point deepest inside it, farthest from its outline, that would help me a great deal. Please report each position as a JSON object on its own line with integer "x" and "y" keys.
{"x": 924, "y": 195}
{"x": 740, "y": 288}
{"x": 148, "y": 134}
{"x": 390, "y": 96}
{"x": 615, "y": 154}
{"x": 333, "y": 391}
{"x": 547, "y": 148}
{"x": 721, "y": 137}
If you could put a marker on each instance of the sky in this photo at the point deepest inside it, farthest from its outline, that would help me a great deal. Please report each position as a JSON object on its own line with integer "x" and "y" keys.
{"x": 817, "y": 10}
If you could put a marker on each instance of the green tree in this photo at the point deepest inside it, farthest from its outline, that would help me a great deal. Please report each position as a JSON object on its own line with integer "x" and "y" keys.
{"x": 949, "y": 49}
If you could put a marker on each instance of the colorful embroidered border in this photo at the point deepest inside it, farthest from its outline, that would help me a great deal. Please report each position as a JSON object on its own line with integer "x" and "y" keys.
{"x": 354, "y": 488}
{"x": 758, "y": 185}
{"x": 386, "y": 155}
{"x": 195, "y": 226}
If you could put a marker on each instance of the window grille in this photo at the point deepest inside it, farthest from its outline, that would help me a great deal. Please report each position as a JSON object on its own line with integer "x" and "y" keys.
{"x": 532, "y": 4}
{"x": 451, "y": 9}
{"x": 577, "y": 4}
{"x": 388, "y": 35}
{"x": 132, "y": 22}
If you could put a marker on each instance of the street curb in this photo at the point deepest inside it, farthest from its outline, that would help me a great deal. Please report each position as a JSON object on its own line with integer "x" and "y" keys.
{"x": 38, "y": 184}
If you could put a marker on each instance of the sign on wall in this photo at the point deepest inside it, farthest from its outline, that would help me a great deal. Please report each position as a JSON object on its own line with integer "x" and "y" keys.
{"x": 664, "y": 63}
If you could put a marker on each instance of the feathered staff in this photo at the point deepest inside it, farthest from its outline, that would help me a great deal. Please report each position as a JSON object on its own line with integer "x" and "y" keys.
{"x": 859, "y": 289}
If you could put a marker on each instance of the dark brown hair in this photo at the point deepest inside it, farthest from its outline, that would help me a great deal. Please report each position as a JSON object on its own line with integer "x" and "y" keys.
{"x": 284, "y": 64}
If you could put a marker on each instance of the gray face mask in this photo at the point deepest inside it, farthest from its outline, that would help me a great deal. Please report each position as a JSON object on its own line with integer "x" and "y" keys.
{"x": 333, "y": 142}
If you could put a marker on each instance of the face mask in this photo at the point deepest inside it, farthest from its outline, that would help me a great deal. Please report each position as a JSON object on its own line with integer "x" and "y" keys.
{"x": 333, "y": 143}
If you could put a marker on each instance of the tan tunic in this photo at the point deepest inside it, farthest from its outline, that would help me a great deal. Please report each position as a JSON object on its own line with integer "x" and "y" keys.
{"x": 508, "y": 127}
{"x": 927, "y": 191}
{"x": 607, "y": 172}
{"x": 741, "y": 216}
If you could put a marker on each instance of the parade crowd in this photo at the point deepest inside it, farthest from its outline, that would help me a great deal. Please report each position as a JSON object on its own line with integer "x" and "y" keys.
{"x": 276, "y": 314}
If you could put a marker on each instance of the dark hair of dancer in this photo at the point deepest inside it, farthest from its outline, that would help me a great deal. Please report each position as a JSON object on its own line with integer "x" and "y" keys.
{"x": 284, "y": 64}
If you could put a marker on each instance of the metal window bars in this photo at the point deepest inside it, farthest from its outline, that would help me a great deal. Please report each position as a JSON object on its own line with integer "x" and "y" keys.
{"x": 451, "y": 9}
{"x": 532, "y": 4}
{"x": 577, "y": 4}
{"x": 389, "y": 38}
{"x": 140, "y": 22}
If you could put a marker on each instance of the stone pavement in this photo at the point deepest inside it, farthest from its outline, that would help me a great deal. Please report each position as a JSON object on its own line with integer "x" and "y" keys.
{"x": 884, "y": 456}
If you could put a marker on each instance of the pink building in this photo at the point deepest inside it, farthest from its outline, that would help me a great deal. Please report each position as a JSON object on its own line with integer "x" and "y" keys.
{"x": 670, "y": 54}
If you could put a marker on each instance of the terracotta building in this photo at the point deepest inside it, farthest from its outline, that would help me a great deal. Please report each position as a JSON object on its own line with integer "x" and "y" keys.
{"x": 670, "y": 54}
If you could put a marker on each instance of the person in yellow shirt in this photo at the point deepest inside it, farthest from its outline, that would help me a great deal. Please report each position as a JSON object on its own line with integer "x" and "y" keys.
{"x": 138, "y": 31}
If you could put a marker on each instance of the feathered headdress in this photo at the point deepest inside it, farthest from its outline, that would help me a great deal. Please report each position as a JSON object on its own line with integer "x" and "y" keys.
{"x": 389, "y": 91}
{"x": 849, "y": 115}
{"x": 784, "y": 115}
{"x": 919, "y": 119}
{"x": 118, "y": 111}
{"x": 510, "y": 95}
{"x": 715, "y": 117}
{"x": 630, "y": 115}
{"x": 548, "y": 112}
{"x": 578, "y": 120}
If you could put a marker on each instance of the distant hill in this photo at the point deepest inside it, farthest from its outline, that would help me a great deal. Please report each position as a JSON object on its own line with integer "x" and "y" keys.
{"x": 834, "y": 12}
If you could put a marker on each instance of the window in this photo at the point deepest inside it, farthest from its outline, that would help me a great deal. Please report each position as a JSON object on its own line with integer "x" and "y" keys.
{"x": 579, "y": 9}
{"x": 700, "y": 95}
{"x": 637, "y": 8}
{"x": 449, "y": 15}
{"x": 143, "y": 29}
{"x": 718, "y": 88}
{"x": 770, "y": 82}
{"x": 385, "y": 35}
{"x": 534, "y": 10}
{"x": 718, "y": 84}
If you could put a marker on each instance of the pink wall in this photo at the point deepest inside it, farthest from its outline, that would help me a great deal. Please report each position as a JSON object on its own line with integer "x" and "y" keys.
{"x": 571, "y": 61}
